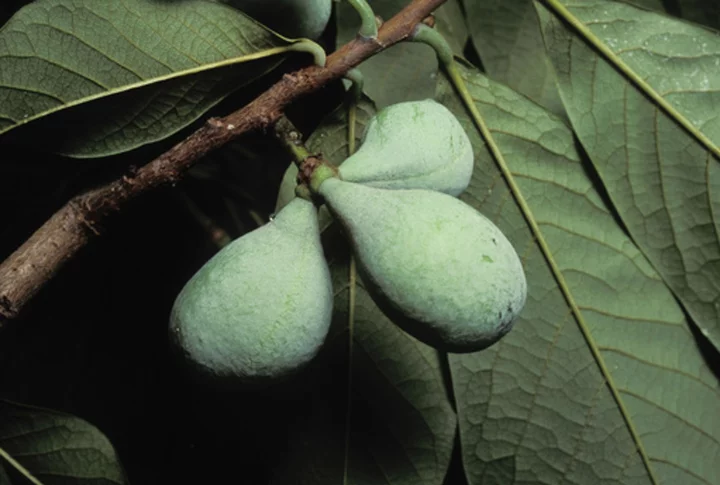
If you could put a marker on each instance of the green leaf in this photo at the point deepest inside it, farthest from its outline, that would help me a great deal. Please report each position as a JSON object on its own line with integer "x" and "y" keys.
{"x": 600, "y": 381}
{"x": 404, "y": 72}
{"x": 402, "y": 425}
{"x": 119, "y": 75}
{"x": 506, "y": 35}
{"x": 705, "y": 12}
{"x": 646, "y": 112}
{"x": 56, "y": 448}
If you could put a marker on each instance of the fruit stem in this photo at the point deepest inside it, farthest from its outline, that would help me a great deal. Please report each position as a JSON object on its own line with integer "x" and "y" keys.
{"x": 319, "y": 174}
{"x": 291, "y": 139}
{"x": 368, "y": 28}
{"x": 313, "y": 168}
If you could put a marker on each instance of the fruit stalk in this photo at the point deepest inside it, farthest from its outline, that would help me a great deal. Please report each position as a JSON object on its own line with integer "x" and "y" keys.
{"x": 313, "y": 169}
{"x": 291, "y": 139}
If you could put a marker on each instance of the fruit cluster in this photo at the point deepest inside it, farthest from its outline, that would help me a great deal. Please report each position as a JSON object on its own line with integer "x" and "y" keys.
{"x": 260, "y": 309}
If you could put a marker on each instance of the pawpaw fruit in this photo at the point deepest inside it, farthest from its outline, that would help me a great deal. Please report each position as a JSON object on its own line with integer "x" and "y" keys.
{"x": 259, "y": 310}
{"x": 434, "y": 265}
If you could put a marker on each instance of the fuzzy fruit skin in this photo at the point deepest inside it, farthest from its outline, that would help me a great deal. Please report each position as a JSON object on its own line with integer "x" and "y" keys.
{"x": 291, "y": 18}
{"x": 260, "y": 309}
{"x": 413, "y": 145}
{"x": 438, "y": 268}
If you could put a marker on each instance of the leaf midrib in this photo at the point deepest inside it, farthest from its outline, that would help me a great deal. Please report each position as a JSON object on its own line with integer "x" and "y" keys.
{"x": 17, "y": 466}
{"x": 156, "y": 80}
{"x": 457, "y": 80}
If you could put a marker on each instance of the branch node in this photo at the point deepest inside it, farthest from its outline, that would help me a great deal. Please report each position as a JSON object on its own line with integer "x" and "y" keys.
{"x": 79, "y": 209}
{"x": 308, "y": 167}
{"x": 215, "y": 122}
{"x": 379, "y": 21}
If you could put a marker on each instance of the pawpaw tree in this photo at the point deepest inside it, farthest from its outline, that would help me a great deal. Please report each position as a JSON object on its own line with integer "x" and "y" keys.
{"x": 142, "y": 141}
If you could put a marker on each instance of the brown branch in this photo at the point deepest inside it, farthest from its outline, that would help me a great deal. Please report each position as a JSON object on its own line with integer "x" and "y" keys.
{"x": 74, "y": 225}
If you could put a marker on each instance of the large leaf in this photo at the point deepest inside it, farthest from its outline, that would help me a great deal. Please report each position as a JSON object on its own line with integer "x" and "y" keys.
{"x": 706, "y": 12}
{"x": 57, "y": 448}
{"x": 404, "y": 72}
{"x": 600, "y": 381}
{"x": 647, "y": 113}
{"x": 402, "y": 425}
{"x": 506, "y": 35}
{"x": 134, "y": 71}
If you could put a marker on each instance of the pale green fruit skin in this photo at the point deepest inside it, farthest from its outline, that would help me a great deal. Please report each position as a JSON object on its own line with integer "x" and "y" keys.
{"x": 413, "y": 145}
{"x": 260, "y": 309}
{"x": 291, "y": 18}
{"x": 438, "y": 268}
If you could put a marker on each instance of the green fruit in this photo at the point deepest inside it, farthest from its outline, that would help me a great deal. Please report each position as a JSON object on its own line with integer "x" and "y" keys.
{"x": 413, "y": 145}
{"x": 291, "y": 18}
{"x": 260, "y": 309}
{"x": 438, "y": 268}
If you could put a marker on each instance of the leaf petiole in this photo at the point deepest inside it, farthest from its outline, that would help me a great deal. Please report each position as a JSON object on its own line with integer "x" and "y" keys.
{"x": 355, "y": 92}
{"x": 368, "y": 28}
{"x": 427, "y": 35}
{"x": 310, "y": 47}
